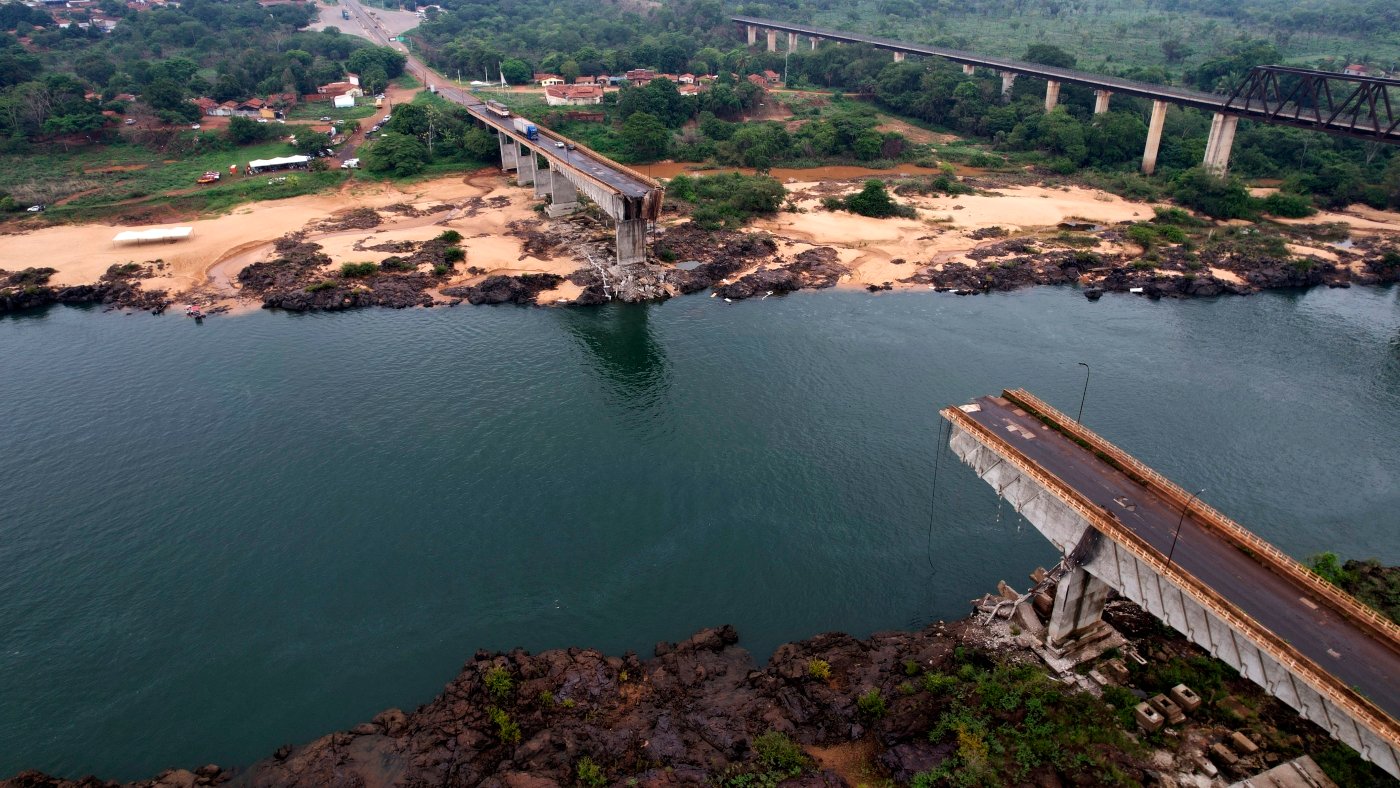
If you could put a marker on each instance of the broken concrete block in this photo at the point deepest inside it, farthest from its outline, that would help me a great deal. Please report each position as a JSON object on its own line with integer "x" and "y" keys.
{"x": 1185, "y": 698}
{"x": 1148, "y": 718}
{"x": 1116, "y": 670}
{"x": 1007, "y": 592}
{"x": 1207, "y": 768}
{"x": 1167, "y": 708}
{"x": 1038, "y": 576}
{"x": 1221, "y": 754}
{"x": 1098, "y": 678}
{"x": 1242, "y": 744}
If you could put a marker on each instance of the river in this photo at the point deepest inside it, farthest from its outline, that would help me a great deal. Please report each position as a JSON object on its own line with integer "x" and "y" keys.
{"x": 219, "y": 538}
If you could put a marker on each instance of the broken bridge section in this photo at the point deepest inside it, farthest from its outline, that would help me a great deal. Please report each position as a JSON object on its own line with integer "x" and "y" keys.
{"x": 1123, "y": 526}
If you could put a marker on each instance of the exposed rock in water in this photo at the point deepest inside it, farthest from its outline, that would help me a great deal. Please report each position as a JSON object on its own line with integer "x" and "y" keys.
{"x": 522, "y": 289}
{"x": 120, "y": 287}
{"x": 295, "y": 279}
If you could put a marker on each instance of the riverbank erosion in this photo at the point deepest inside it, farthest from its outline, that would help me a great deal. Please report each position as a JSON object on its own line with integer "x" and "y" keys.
{"x": 968, "y": 703}
{"x": 481, "y": 240}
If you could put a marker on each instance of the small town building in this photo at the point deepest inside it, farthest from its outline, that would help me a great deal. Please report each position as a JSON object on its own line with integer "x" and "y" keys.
{"x": 1357, "y": 70}
{"x": 548, "y": 80}
{"x": 758, "y": 80}
{"x": 686, "y": 79}
{"x": 773, "y": 77}
{"x": 640, "y": 77}
{"x": 573, "y": 95}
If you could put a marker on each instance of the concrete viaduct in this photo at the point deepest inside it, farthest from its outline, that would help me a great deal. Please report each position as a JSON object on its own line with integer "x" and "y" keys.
{"x": 557, "y": 167}
{"x": 1362, "y": 108}
{"x": 1123, "y": 526}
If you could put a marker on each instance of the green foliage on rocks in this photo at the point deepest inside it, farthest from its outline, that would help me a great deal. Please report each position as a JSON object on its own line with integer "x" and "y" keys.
{"x": 872, "y": 200}
{"x": 728, "y": 200}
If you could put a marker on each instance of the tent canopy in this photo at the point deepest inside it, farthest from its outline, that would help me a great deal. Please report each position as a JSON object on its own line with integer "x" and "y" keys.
{"x": 284, "y": 161}
{"x": 157, "y": 234}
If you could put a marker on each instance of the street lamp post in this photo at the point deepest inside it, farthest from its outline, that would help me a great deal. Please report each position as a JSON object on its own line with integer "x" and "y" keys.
{"x": 1080, "y": 417}
{"x": 1179, "y": 521}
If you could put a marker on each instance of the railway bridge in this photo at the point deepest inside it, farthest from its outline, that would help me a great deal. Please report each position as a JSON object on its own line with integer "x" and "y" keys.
{"x": 1353, "y": 106}
{"x": 1124, "y": 526}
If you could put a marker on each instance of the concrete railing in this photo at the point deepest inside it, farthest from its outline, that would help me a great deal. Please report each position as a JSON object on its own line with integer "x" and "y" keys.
{"x": 1267, "y": 555}
{"x": 1356, "y": 705}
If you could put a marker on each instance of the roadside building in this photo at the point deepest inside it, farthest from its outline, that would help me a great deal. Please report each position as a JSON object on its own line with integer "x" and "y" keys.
{"x": 773, "y": 77}
{"x": 640, "y": 77}
{"x": 758, "y": 80}
{"x": 573, "y": 95}
{"x": 548, "y": 80}
{"x": 686, "y": 79}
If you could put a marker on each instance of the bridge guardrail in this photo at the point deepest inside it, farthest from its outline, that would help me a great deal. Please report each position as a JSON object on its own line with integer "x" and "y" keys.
{"x": 1337, "y": 692}
{"x": 1276, "y": 560}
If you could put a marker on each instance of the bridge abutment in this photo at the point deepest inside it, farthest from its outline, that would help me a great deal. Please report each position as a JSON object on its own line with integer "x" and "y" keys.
{"x": 1052, "y": 94}
{"x": 631, "y": 241}
{"x": 1154, "y": 137}
{"x": 1101, "y": 101}
{"x": 1222, "y": 138}
{"x": 1078, "y": 611}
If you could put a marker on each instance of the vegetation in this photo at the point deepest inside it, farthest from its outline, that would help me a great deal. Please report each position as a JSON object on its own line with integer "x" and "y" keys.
{"x": 819, "y": 669}
{"x": 498, "y": 683}
{"x": 358, "y": 270}
{"x": 1073, "y": 732}
{"x": 590, "y": 774}
{"x": 425, "y": 132}
{"x": 507, "y": 730}
{"x": 727, "y": 200}
{"x": 871, "y": 704}
{"x": 872, "y": 200}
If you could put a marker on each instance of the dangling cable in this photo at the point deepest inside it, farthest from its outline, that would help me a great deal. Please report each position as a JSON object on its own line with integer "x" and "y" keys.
{"x": 933, "y": 496}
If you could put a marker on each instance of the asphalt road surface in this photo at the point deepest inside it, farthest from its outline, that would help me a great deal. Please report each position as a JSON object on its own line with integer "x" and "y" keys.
{"x": 1367, "y": 665}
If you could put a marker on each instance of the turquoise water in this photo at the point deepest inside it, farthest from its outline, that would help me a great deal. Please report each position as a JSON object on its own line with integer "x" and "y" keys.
{"x": 219, "y": 538}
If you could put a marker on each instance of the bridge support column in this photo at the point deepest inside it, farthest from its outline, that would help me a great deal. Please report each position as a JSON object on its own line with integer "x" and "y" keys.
{"x": 772, "y": 41}
{"x": 631, "y": 241}
{"x": 753, "y": 34}
{"x": 525, "y": 170}
{"x": 1222, "y": 138}
{"x": 814, "y": 42}
{"x": 1008, "y": 78}
{"x": 563, "y": 196}
{"x": 1079, "y": 601}
{"x": 1052, "y": 94}
{"x": 542, "y": 179}
{"x": 1154, "y": 137}
{"x": 510, "y": 155}
{"x": 899, "y": 57}
{"x": 792, "y": 42}
{"x": 969, "y": 69}
{"x": 1101, "y": 101}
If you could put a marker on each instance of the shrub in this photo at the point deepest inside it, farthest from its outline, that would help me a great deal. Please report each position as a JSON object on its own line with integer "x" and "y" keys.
{"x": 356, "y": 270}
{"x": 507, "y": 730}
{"x": 396, "y": 264}
{"x": 319, "y": 286}
{"x": 874, "y": 200}
{"x": 1143, "y": 235}
{"x": 589, "y": 773}
{"x": 1288, "y": 206}
{"x": 454, "y": 254}
{"x": 819, "y": 669}
{"x": 449, "y": 236}
{"x": 776, "y": 751}
{"x": 728, "y": 200}
{"x": 1176, "y": 216}
{"x": 440, "y": 269}
{"x": 872, "y": 704}
{"x": 498, "y": 682}
{"x": 939, "y": 683}
{"x": 1219, "y": 198}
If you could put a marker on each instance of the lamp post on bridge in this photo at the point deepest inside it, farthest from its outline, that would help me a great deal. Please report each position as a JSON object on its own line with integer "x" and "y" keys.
{"x": 1085, "y": 394}
{"x": 1179, "y": 521}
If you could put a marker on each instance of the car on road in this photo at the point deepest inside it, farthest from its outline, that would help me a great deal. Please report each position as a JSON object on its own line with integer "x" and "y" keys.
{"x": 325, "y": 118}
{"x": 194, "y": 127}
{"x": 571, "y": 146}
{"x": 130, "y": 121}
{"x": 558, "y": 144}
{"x": 387, "y": 118}
{"x": 36, "y": 208}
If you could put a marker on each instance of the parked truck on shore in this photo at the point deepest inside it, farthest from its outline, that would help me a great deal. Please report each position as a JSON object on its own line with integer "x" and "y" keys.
{"x": 527, "y": 128}
{"x": 344, "y": 13}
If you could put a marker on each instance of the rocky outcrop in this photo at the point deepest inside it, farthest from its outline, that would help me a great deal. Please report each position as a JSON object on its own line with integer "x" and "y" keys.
{"x": 522, "y": 289}
{"x": 119, "y": 287}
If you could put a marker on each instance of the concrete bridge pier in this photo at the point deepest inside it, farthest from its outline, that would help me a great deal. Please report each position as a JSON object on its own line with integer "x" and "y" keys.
{"x": 969, "y": 69}
{"x": 510, "y": 155}
{"x": 753, "y": 34}
{"x": 631, "y": 241}
{"x": 792, "y": 42}
{"x": 525, "y": 167}
{"x": 899, "y": 57}
{"x": 1052, "y": 94}
{"x": 1101, "y": 101}
{"x": 1222, "y": 138}
{"x": 1008, "y": 78}
{"x": 563, "y": 195}
{"x": 543, "y": 173}
{"x": 1154, "y": 137}
{"x": 772, "y": 41}
{"x": 814, "y": 42}
{"x": 1078, "y": 611}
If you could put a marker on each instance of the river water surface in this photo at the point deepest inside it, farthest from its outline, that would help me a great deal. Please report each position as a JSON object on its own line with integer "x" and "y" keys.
{"x": 219, "y": 538}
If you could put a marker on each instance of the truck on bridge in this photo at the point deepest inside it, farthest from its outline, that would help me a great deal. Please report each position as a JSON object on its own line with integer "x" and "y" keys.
{"x": 527, "y": 128}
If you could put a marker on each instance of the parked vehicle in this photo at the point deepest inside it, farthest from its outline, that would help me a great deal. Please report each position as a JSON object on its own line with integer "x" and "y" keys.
{"x": 130, "y": 121}
{"x": 209, "y": 177}
{"x": 194, "y": 127}
{"x": 350, "y": 164}
{"x": 527, "y": 128}
{"x": 344, "y": 13}
{"x": 36, "y": 208}
{"x": 325, "y": 118}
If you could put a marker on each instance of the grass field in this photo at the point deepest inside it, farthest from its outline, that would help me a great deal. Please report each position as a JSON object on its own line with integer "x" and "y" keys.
{"x": 315, "y": 111}
{"x": 128, "y": 179}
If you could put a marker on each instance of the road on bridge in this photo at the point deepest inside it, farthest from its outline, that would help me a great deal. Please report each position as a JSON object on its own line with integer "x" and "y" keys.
{"x": 1306, "y": 621}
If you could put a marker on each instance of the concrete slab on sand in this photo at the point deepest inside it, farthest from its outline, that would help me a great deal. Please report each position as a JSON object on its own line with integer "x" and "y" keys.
{"x": 1301, "y": 772}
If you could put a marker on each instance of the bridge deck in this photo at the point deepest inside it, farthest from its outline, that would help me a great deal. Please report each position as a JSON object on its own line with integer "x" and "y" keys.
{"x": 1191, "y": 98}
{"x": 1305, "y": 619}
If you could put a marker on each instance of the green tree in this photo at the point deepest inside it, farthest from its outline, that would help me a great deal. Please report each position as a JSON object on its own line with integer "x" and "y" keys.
{"x": 516, "y": 71}
{"x": 1220, "y": 198}
{"x": 397, "y": 154}
{"x": 645, "y": 136}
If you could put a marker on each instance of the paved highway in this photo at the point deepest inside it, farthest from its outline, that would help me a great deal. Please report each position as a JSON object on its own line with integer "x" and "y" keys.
{"x": 1304, "y": 620}
{"x": 611, "y": 174}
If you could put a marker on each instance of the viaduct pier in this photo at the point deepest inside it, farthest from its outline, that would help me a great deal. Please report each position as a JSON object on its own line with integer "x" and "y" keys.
{"x": 1363, "y": 107}
{"x": 1123, "y": 526}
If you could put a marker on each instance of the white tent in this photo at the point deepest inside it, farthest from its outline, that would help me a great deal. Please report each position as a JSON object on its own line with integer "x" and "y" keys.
{"x": 342, "y": 102}
{"x": 157, "y": 234}
{"x": 272, "y": 164}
